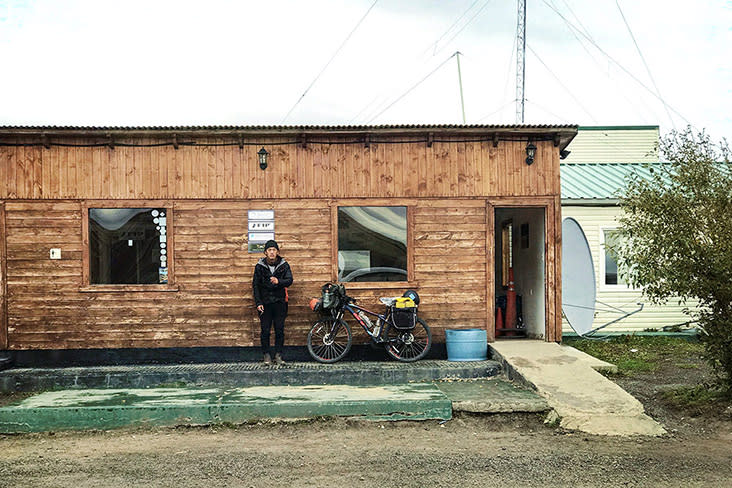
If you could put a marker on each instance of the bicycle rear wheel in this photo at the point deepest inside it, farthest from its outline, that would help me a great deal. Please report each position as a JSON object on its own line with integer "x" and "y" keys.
{"x": 409, "y": 345}
{"x": 329, "y": 340}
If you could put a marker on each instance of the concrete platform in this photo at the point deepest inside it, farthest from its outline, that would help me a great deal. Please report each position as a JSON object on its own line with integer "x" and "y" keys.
{"x": 359, "y": 373}
{"x": 494, "y": 395}
{"x": 581, "y": 397}
{"x": 113, "y": 408}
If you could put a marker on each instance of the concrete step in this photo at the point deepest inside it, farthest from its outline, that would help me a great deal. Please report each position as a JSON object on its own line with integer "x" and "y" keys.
{"x": 103, "y": 409}
{"x": 356, "y": 373}
{"x": 114, "y": 408}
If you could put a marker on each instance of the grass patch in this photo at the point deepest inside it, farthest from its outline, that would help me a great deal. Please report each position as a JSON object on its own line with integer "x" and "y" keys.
{"x": 638, "y": 354}
{"x": 697, "y": 400}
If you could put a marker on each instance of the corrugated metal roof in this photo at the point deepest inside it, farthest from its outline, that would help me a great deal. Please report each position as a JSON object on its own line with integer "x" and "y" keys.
{"x": 286, "y": 127}
{"x": 600, "y": 181}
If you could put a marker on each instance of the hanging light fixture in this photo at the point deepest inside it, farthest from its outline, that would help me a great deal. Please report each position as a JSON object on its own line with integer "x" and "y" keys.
{"x": 262, "y": 153}
{"x": 530, "y": 152}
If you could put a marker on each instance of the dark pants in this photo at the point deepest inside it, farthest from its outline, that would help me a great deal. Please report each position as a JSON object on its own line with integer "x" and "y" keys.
{"x": 274, "y": 313}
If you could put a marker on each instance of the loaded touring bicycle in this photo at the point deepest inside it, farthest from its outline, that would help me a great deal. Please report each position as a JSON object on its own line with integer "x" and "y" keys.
{"x": 404, "y": 335}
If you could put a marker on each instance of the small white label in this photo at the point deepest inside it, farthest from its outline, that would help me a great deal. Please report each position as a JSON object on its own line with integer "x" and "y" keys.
{"x": 260, "y": 214}
{"x": 261, "y": 236}
{"x": 55, "y": 253}
{"x": 261, "y": 225}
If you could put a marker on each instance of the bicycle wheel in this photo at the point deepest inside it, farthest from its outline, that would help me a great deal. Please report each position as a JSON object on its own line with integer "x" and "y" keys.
{"x": 329, "y": 340}
{"x": 409, "y": 345}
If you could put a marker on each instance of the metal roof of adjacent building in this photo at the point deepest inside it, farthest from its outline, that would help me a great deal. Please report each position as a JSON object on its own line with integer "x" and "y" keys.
{"x": 600, "y": 181}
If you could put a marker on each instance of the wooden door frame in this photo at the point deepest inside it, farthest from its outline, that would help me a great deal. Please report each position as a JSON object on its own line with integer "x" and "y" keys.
{"x": 3, "y": 281}
{"x": 552, "y": 261}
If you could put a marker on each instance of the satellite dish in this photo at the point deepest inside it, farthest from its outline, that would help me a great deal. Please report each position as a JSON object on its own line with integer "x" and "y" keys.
{"x": 578, "y": 278}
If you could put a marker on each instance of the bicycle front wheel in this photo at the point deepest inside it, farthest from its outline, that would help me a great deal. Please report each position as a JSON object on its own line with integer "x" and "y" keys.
{"x": 409, "y": 345}
{"x": 329, "y": 340}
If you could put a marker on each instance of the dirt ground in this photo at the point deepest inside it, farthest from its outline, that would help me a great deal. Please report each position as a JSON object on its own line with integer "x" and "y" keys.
{"x": 468, "y": 451}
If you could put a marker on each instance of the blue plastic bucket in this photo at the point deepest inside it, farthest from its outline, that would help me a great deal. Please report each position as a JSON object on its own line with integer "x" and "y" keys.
{"x": 466, "y": 344}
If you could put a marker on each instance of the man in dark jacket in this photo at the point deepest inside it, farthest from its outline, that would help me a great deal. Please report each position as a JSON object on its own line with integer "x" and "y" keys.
{"x": 272, "y": 275}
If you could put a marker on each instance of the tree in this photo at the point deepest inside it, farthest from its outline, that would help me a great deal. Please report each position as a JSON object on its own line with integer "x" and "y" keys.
{"x": 676, "y": 238}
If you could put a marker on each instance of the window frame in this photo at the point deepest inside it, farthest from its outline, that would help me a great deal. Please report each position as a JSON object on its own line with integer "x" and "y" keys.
{"x": 87, "y": 286}
{"x": 409, "y": 204}
{"x": 603, "y": 285}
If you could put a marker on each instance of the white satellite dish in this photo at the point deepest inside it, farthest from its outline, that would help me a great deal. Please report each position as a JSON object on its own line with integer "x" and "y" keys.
{"x": 578, "y": 278}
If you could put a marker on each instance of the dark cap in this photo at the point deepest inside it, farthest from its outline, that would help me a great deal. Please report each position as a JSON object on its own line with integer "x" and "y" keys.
{"x": 271, "y": 243}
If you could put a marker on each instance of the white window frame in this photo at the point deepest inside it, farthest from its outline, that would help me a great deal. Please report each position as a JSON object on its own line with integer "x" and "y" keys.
{"x": 603, "y": 285}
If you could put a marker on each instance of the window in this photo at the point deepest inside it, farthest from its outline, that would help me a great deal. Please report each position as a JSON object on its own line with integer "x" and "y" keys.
{"x": 611, "y": 264}
{"x": 128, "y": 246}
{"x": 372, "y": 244}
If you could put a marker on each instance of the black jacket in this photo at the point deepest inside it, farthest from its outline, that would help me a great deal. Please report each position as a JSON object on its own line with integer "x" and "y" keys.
{"x": 264, "y": 291}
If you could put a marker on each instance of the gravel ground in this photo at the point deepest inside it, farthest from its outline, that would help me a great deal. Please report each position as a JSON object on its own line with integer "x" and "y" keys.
{"x": 469, "y": 451}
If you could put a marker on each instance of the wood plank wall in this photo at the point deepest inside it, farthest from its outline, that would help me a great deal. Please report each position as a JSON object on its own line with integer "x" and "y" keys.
{"x": 212, "y": 188}
{"x": 214, "y": 305}
{"x": 446, "y": 169}
{"x": 3, "y": 281}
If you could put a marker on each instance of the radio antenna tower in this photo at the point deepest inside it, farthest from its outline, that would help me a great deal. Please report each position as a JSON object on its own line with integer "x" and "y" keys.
{"x": 520, "y": 60}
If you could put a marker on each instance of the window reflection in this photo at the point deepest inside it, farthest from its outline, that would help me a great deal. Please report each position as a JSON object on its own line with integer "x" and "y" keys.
{"x": 611, "y": 263}
{"x": 372, "y": 244}
{"x": 128, "y": 246}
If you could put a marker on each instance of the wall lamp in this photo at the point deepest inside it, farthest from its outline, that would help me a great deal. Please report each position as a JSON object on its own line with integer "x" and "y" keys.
{"x": 530, "y": 153}
{"x": 262, "y": 153}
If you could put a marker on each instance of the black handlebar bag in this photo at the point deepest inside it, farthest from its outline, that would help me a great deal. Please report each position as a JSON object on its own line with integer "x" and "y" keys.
{"x": 332, "y": 295}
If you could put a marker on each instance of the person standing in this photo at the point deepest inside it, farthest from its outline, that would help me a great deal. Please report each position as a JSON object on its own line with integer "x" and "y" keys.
{"x": 272, "y": 275}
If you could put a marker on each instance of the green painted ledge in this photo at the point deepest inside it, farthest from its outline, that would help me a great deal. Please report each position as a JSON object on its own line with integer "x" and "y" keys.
{"x": 110, "y": 409}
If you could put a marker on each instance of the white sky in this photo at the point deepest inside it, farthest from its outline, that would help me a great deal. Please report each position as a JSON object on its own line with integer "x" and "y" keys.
{"x": 159, "y": 62}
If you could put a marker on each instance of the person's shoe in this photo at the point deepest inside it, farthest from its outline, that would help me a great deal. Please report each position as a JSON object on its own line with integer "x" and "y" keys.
{"x": 267, "y": 359}
{"x": 278, "y": 360}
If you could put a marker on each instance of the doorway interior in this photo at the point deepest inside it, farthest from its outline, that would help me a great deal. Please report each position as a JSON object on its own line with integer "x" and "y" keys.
{"x": 520, "y": 245}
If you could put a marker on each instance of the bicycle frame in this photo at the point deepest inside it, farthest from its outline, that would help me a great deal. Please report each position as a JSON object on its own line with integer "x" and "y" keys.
{"x": 353, "y": 309}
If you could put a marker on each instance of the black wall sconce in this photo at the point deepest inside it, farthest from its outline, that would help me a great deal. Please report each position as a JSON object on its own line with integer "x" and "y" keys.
{"x": 530, "y": 153}
{"x": 262, "y": 153}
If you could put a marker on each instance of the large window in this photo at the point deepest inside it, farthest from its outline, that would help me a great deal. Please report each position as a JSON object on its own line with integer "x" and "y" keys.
{"x": 128, "y": 246}
{"x": 372, "y": 244}
{"x": 612, "y": 277}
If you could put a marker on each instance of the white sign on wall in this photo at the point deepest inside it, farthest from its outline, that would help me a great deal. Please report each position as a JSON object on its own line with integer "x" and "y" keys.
{"x": 261, "y": 228}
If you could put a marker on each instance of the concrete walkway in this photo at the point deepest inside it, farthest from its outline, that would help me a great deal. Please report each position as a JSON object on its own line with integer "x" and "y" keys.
{"x": 581, "y": 397}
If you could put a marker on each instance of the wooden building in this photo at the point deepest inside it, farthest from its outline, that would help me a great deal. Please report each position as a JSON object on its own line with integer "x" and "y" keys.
{"x": 143, "y": 237}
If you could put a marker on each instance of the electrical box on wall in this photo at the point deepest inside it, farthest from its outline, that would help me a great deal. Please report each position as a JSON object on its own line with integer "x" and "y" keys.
{"x": 55, "y": 253}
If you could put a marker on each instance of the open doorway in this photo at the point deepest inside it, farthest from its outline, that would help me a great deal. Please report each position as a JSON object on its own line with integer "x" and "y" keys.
{"x": 520, "y": 281}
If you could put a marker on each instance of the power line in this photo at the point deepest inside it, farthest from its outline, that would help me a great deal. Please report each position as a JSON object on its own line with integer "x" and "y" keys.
{"x": 648, "y": 70}
{"x": 548, "y": 111}
{"x": 616, "y": 63}
{"x": 560, "y": 83}
{"x": 464, "y": 26}
{"x": 434, "y": 44}
{"x": 594, "y": 60}
{"x": 329, "y": 61}
{"x": 495, "y": 111}
{"x": 412, "y": 88}
{"x": 436, "y": 51}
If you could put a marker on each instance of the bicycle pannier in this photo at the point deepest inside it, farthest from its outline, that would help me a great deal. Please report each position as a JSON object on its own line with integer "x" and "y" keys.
{"x": 404, "y": 318}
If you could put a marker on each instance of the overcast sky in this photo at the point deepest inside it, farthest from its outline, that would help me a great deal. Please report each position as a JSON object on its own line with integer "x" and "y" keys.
{"x": 159, "y": 62}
